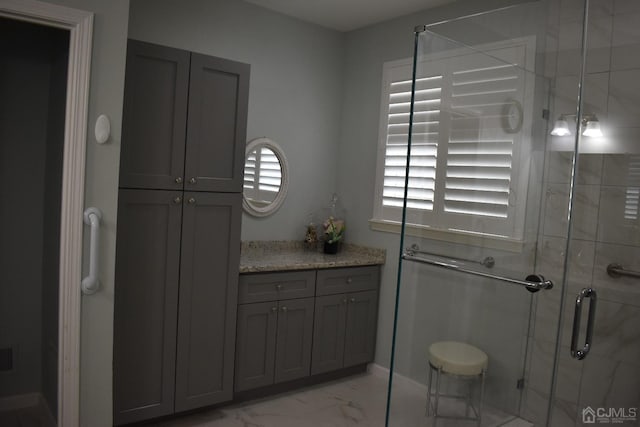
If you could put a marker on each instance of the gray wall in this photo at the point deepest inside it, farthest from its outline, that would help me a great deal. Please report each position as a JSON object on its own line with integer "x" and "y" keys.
{"x": 295, "y": 90}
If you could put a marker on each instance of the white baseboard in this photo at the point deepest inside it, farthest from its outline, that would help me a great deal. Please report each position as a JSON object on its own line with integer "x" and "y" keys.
{"x": 20, "y": 401}
{"x": 398, "y": 379}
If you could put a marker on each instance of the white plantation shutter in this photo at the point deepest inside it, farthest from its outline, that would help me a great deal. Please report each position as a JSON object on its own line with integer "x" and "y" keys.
{"x": 423, "y": 149}
{"x": 270, "y": 176}
{"x": 480, "y": 152}
{"x": 463, "y": 172}
{"x": 632, "y": 197}
{"x": 262, "y": 175}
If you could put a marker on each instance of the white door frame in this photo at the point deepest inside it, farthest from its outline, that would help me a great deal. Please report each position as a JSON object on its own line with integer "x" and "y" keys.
{"x": 80, "y": 26}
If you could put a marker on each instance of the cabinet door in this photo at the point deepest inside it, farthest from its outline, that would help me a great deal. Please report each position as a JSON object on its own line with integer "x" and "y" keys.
{"x": 295, "y": 333}
{"x": 360, "y": 334}
{"x": 328, "y": 333}
{"x": 146, "y": 301}
{"x": 154, "y": 117}
{"x": 217, "y": 124}
{"x": 256, "y": 345}
{"x": 208, "y": 299}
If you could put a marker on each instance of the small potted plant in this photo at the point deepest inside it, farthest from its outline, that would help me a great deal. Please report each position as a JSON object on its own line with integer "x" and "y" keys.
{"x": 333, "y": 233}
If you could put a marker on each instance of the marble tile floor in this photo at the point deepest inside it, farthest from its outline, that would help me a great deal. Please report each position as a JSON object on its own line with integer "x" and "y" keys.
{"x": 355, "y": 401}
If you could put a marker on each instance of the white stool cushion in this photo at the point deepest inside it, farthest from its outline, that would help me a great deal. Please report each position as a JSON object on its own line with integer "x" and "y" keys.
{"x": 458, "y": 358}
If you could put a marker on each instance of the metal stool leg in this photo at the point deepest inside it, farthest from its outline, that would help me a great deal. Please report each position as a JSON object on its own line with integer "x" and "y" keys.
{"x": 469, "y": 394}
{"x": 483, "y": 375}
{"x": 435, "y": 409}
{"x": 429, "y": 388}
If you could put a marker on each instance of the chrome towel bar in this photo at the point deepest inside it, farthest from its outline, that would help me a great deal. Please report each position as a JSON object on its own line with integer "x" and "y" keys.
{"x": 529, "y": 283}
{"x": 488, "y": 262}
{"x": 616, "y": 270}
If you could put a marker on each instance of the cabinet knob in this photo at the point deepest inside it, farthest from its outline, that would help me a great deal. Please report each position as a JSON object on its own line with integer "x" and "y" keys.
{"x": 284, "y": 309}
{"x": 349, "y": 280}
{"x": 274, "y": 309}
{"x": 179, "y": 180}
{"x": 177, "y": 200}
{"x": 352, "y": 300}
{"x": 192, "y": 181}
{"x": 191, "y": 200}
{"x": 279, "y": 286}
{"x": 344, "y": 301}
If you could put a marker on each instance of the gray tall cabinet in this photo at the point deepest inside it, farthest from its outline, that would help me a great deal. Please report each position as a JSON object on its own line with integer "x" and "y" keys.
{"x": 178, "y": 237}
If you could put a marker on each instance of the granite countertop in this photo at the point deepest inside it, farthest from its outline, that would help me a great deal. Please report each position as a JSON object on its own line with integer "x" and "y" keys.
{"x": 261, "y": 256}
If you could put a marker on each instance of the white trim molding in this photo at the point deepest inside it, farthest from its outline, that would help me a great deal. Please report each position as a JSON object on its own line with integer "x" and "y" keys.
{"x": 80, "y": 26}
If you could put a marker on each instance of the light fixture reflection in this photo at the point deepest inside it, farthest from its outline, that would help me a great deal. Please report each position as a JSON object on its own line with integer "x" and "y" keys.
{"x": 590, "y": 126}
{"x": 592, "y": 129}
{"x": 561, "y": 127}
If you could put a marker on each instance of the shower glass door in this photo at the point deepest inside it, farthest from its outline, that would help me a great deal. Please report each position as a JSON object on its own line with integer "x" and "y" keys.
{"x": 485, "y": 219}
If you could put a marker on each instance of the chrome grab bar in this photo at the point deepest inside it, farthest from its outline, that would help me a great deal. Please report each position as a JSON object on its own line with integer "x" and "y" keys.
{"x": 584, "y": 293}
{"x": 616, "y": 270}
{"x": 92, "y": 217}
{"x": 533, "y": 283}
{"x": 488, "y": 262}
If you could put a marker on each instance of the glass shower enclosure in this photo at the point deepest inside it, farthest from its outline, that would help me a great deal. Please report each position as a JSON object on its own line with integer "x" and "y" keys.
{"x": 513, "y": 165}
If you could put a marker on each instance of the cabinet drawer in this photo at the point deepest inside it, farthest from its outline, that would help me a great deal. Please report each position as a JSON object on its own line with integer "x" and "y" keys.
{"x": 345, "y": 280}
{"x": 276, "y": 286}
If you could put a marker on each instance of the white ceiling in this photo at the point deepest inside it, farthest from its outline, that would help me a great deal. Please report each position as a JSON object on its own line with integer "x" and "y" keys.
{"x": 347, "y": 15}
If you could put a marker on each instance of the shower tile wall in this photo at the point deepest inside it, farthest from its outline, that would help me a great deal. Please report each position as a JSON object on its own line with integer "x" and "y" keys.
{"x": 606, "y": 216}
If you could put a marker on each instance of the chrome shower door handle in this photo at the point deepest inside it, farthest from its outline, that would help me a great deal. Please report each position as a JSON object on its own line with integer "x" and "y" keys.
{"x": 584, "y": 293}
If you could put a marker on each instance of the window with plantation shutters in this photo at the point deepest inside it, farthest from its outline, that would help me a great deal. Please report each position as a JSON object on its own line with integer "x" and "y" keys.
{"x": 262, "y": 176}
{"x": 468, "y": 137}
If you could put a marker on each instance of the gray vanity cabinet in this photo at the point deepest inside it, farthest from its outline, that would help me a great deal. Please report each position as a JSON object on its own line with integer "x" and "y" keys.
{"x": 178, "y": 251}
{"x": 216, "y": 124}
{"x": 293, "y": 340}
{"x": 207, "y": 300}
{"x": 184, "y": 120}
{"x": 360, "y": 328}
{"x": 273, "y": 342}
{"x": 146, "y": 303}
{"x": 175, "y": 301}
{"x": 256, "y": 345}
{"x": 328, "y": 333}
{"x": 154, "y": 117}
{"x": 275, "y": 328}
{"x": 345, "y": 323}
{"x": 295, "y": 324}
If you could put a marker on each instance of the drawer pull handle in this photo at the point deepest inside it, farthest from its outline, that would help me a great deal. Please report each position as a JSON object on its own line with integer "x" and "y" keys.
{"x": 352, "y": 300}
{"x": 349, "y": 280}
{"x": 179, "y": 180}
{"x": 284, "y": 309}
{"x": 177, "y": 200}
{"x": 274, "y": 309}
{"x": 192, "y": 181}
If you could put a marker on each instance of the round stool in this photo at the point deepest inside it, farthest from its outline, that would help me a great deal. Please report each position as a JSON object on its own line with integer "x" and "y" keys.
{"x": 461, "y": 361}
